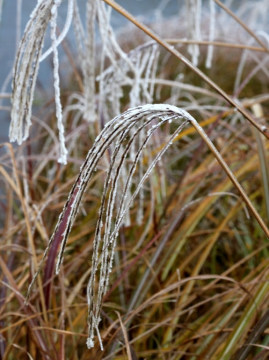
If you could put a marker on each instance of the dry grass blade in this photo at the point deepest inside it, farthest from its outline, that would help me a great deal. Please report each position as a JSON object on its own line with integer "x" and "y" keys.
{"x": 125, "y": 335}
{"x": 216, "y": 43}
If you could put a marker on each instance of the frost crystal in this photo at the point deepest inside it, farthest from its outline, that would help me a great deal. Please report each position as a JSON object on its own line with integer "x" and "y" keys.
{"x": 90, "y": 343}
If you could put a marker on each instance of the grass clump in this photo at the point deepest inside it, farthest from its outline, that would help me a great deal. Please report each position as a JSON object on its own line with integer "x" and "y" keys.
{"x": 162, "y": 175}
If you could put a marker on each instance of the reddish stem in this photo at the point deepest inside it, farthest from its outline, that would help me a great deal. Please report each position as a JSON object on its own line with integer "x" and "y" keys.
{"x": 57, "y": 240}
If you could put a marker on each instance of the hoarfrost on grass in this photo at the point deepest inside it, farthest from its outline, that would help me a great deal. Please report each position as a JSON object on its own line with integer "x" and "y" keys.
{"x": 126, "y": 136}
{"x": 65, "y": 30}
{"x": 63, "y": 151}
{"x": 212, "y": 23}
{"x": 26, "y": 69}
{"x": 194, "y": 8}
{"x": 129, "y": 125}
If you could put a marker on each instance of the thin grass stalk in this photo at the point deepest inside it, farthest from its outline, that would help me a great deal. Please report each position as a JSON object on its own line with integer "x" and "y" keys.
{"x": 216, "y": 43}
{"x": 212, "y": 23}
{"x": 125, "y": 336}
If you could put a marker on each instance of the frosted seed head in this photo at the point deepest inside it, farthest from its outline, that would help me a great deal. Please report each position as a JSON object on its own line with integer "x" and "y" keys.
{"x": 90, "y": 343}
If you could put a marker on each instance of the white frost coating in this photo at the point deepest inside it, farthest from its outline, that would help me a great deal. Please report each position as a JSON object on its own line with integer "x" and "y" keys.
{"x": 194, "y": 8}
{"x": 88, "y": 62}
{"x": 65, "y": 30}
{"x": 107, "y": 257}
{"x": 90, "y": 343}
{"x": 63, "y": 151}
{"x": 212, "y": 24}
{"x": 26, "y": 69}
{"x": 79, "y": 31}
{"x": 25, "y": 72}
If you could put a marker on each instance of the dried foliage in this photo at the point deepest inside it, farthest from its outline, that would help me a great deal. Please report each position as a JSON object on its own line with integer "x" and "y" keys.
{"x": 165, "y": 229}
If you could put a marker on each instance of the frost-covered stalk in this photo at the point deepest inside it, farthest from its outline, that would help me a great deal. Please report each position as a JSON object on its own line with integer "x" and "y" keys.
{"x": 63, "y": 151}
{"x": 194, "y": 8}
{"x": 120, "y": 132}
{"x": 68, "y": 22}
{"x": 97, "y": 13}
{"x": 88, "y": 66}
{"x": 212, "y": 24}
